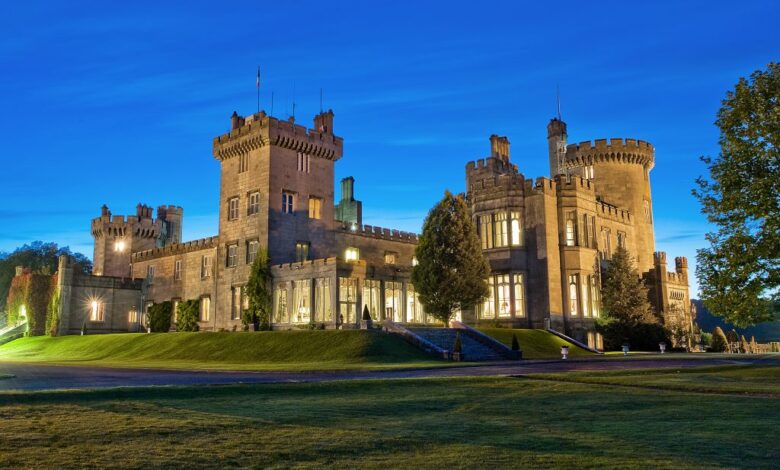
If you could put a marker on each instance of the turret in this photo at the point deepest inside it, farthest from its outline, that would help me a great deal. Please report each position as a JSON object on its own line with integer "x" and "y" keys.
{"x": 349, "y": 210}
{"x": 499, "y": 147}
{"x": 171, "y": 217}
{"x": 323, "y": 122}
{"x": 681, "y": 265}
{"x": 556, "y": 146}
{"x": 117, "y": 236}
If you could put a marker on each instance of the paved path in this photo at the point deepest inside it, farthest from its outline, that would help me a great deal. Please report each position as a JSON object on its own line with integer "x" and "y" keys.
{"x": 51, "y": 377}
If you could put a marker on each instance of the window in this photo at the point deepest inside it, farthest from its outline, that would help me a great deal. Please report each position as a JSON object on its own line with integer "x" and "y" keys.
{"x": 175, "y": 310}
{"x": 486, "y": 231}
{"x": 233, "y": 208}
{"x": 347, "y": 299}
{"x": 304, "y": 162}
{"x": 414, "y": 261}
{"x": 251, "y": 250}
{"x": 571, "y": 229}
{"x": 97, "y": 311}
{"x": 488, "y": 308}
{"x": 177, "y": 270}
{"x": 606, "y": 252}
{"x": 132, "y": 316}
{"x": 502, "y": 289}
{"x": 599, "y": 341}
{"x": 414, "y": 309}
{"x": 621, "y": 236}
{"x": 281, "y": 314}
{"x": 593, "y": 241}
{"x": 371, "y": 298}
{"x": 302, "y": 251}
{"x": 573, "y": 297}
{"x": 254, "y": 204}
{"x": 236, "y": 303}
{"x": 502, "y": 230}
{"x": 119, "y": 246}
{"x": 232, "y": 256}
{"x": 517, "y": 282}
{"x": 393, "y": 303}
{"x": 205, "y": 308}
{"x": 351, "y": 254}
{"x": 287, "y": 202}
{"x": 301, "y": 301}
{"x": 594, "y": 297}
{"x": 205, "y": 267}
{"x": 517, "y": 229}
{"x": 150, "y": 274}
{"x": 648, "y": 212}
{"x": 586, "y": 230}
{"x": 243, "y": 163}
{"x": 585, "y": 297}
{"x": 589, "y": 172}
{"x": 315, "y": 206}
{"x": 323, "y": 304}
{"x": 390, "y": 257}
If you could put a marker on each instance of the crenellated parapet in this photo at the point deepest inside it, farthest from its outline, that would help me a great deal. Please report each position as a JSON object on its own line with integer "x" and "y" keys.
{"x": 176, "y": 249}
{"x": 488, "y": 167}
{"x": 608, "y": 211}
{"x": 574, "y": 183}
{"x": 629, "y": 151}
{"x": 259, "y": 130}
{"x": 119, "y": 226}
{"x": 379, "y": 232}
{"x": 542, "y": 186}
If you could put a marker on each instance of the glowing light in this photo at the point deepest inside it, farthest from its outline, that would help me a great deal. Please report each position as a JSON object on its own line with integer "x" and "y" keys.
{"x": 414, "y": 261}
{"x": 351, "y": 254}
{"x": 119, "y": 246}
{"x": 23, "y": 311}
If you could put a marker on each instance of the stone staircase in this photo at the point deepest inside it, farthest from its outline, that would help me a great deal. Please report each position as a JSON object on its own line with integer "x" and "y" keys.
{"x": 472, "y": 348}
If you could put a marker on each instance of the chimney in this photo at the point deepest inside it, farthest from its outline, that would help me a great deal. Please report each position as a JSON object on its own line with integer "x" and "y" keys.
{"x": 499, "y": 147}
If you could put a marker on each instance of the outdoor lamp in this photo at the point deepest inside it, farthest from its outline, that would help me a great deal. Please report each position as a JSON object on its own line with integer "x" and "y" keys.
{"x": 564, "y": 352}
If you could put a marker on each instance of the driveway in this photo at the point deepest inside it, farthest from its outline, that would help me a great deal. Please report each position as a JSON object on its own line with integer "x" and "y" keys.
{"x": 52, "y": 377}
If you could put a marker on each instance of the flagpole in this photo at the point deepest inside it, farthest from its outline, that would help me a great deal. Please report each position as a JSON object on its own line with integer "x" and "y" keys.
{"x": 257, "y": 85}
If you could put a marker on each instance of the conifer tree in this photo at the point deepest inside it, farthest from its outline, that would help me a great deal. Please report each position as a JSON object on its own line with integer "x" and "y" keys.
{"x": 258, "y": 292}
{"x": 451, "y": 272}
{"x": 719, "y": 341}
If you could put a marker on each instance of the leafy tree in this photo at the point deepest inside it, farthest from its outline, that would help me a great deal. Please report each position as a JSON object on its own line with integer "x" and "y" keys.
{"x": 451, "y": 271}
{"x": 719, "y": 341}
{"x": 258, "y": 290}
{"x": 706, "y": 339}
{"x": 187, "y": 315}
{"x": 160, "y": 317}
{"x": 739, "y": 273}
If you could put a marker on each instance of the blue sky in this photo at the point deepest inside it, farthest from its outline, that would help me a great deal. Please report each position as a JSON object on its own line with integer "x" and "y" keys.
{"x": 117, "y": 102}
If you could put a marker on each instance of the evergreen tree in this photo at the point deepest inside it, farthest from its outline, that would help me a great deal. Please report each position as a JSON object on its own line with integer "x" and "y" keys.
{"x": 733, "y": 338}
{"x": 258, "y": 290}
{"x": 739, "y": 273}
{"x": 187, "y": 315}
{"x": 719, "y": 341}
{"x": 451, "y": 272}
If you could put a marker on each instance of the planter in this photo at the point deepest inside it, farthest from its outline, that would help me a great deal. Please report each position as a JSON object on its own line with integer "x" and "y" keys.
{"x": 366, "y": 324}
{"x": 564, "y": 352}
{"x": 456, "y": 356}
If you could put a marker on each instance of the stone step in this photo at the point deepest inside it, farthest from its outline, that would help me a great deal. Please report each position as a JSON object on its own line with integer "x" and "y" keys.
{"x": 472, "y": 349}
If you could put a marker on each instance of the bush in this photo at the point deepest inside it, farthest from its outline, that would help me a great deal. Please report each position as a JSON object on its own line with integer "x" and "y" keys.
{"x": 458, "y": 346}
{"x": 706, "y": 339}
{"x": 160, "y": 317}
{"x": 187, "y": 315}
{"x": 640, "y": 336}
{"x": 366, "y": 313}
{"x": 53, "y": 314}
{"x": 719, "y": 341}
{"x": 515, "y": 343}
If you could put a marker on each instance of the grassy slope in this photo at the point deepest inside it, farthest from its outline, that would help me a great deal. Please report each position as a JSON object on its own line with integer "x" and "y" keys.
{"x": 437, "y": 423}
{"x": 536, "y": 344}
{"x": 301, "y": 350}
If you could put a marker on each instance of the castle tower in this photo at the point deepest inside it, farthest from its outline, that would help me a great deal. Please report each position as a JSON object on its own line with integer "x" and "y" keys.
{"x": 620, "y": 169}
{"x": 556, "y": 146}
{"x": 171, "y": 218}
{"x": 349, "y": 210}
{"x": 117, "y": 236}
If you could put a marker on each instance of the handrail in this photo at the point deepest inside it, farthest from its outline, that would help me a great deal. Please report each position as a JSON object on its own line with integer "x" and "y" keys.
{"x": 574, "y": 341}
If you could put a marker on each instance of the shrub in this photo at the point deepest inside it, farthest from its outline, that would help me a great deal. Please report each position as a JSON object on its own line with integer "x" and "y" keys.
{"x": 458, "y": 346}
{"x": 640, "y": 336}
{"x": 53, "y": 314}
{"x": 366, "y": 313}
{"x": 706, "y": 339}
{"x": 160, "y": 317}
{"x": 187, "y": 315}
{"x": 719, "y": 341}
{"x": 515, "y": 343}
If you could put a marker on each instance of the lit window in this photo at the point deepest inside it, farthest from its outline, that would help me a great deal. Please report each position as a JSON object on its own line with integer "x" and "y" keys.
{"x": 232, "y": 256}
{"x": 132, "y": 316}
{"x": 287, "y": 202}
{"x": 606, "y": 236}
{"x": 390, "y": 257}
{"x": 502, "y": 289}
{"x": 205, "y": 308}
{"x": 571, "y": 229}
{"x": 621, "y": 239}
{"x": 243, "y": 163}
{"x": 517, "y": 229}
{"x": 302, "y": 251}
{"x": 488, "y": 307}
{"x": 323, "y": 304}
{"x": 280, "y": 315}
{"x": 97, "y": 311}
{"x": 352, "y": 254}
{"x": 150, "y": 274}
{"x": 573, "y": 297}
{"x": 315, "y": 206}
{"x": 371, "y": 298}
{"x": 251, "y": 251}
{"x": 414, "y": 261}
{"x": 233, "y": 208}
{"x": 393, "y": 303}
{"x": 177, "y": 270}
{"x": 236, "y": 304}
{"x": 120, "y": 246}
{"x": 502, "y": 231}
{"x": 594, "y": 296}
{"x": 347, "y": 299}
{"x": 589, "y": 172}
{"x": 254, "y": 204}
{"x": 486, "y": 231}
{"x": 205, "y": 267}
{"x": 301, "y": 301}
{"x": 517, "y": 281}
{"x": 586, "y": 230}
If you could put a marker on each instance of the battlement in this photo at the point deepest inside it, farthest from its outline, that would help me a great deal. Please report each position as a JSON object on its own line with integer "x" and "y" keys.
{"x": 380, "y": 232}
{"x": 541, "y": 186}
{"x": 259, "y": 130}
{"x": 613, "y": 212}
{"x": 501, "y": 181}
{"x": 628, "y": 150}
{"x": 488, "y": 167}
{"x": 176, "y": 249}
{"x": 573, "y": 182}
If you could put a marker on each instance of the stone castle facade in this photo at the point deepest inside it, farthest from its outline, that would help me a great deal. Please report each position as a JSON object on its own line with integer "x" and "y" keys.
{"x": 545, "y": 239}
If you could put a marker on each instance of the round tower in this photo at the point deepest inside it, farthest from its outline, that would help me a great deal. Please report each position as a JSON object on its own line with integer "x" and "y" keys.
{"x": 556, "y": 146}
{"x": 620, "y": 170}
{"x": 117, "y": 236}
{"x": 171, "y": 218}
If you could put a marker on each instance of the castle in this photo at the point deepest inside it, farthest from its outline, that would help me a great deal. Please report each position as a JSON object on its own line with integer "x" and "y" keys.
{"x": 545, "y": 240}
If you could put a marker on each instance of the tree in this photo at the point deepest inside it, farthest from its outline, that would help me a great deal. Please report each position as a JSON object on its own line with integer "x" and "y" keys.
{"x": 160, "y": 317}
{"x": 739, "y": 273}
{"x": 187, "y": 315}
{"x": 259, "y": 293}
{"x": 451, "y": 271}
{"x": 719, "y": 341}
{"x": 627, "y": 317}
{"x": 733, "y": 338}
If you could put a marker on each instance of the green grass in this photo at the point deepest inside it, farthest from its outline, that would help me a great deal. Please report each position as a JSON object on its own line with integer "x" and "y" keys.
{"x": 435, "y": 423}
{"x": 285, "y": 350}
{"x": 536, "y": 344}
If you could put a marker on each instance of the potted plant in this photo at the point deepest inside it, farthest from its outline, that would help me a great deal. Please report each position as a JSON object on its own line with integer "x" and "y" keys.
{"x": 457, "y": 348}
{"x": 366, "y": 323}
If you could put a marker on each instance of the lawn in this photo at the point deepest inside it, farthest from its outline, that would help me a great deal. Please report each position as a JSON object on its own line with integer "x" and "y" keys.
{"x": 433, "y": 423}
{"x": 285, "y": 350}
{"x": 537, "y": 344}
